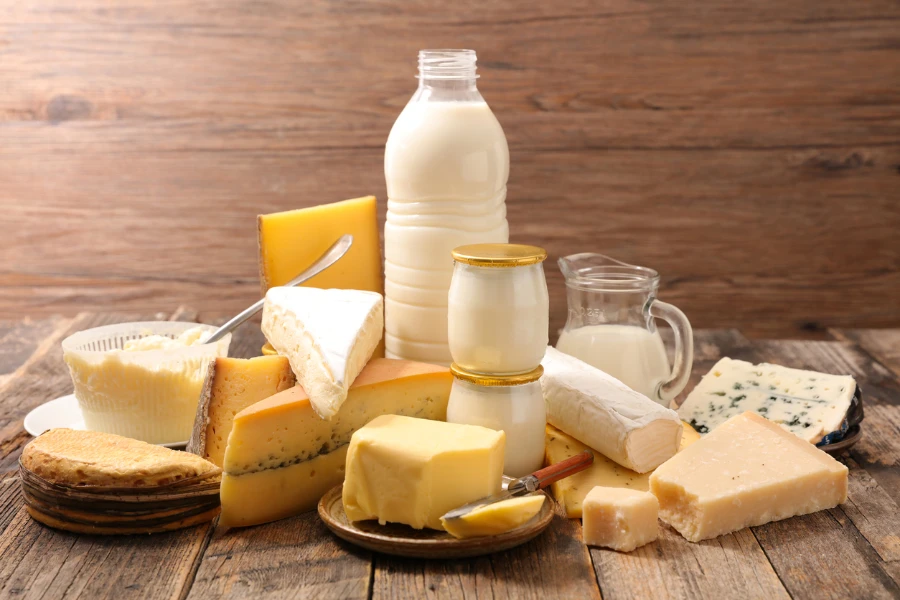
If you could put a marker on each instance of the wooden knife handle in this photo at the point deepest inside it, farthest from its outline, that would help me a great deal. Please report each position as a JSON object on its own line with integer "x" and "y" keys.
{"x": 563, "y": 469}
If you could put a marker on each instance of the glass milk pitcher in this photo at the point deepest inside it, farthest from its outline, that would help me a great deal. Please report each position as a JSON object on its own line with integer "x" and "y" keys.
{"x": 612, "y": 307}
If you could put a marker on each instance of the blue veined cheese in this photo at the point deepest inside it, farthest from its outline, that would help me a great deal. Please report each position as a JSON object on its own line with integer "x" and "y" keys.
{"x": 814, "y": 406}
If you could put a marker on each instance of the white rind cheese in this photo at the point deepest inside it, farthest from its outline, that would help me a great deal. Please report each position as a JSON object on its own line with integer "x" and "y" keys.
{"x": 327, "y": 335}
{"x": 810, "y": 405}
{"x": 605, "y": 414}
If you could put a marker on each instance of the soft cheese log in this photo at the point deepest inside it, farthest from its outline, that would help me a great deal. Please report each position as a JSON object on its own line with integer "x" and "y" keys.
{"x": 413, "y": 471}
{"x": 231, "y": 385}
{"x": 571, "y": 491}
{"x": 810, "y": 405}
{"x": 619, "y": 518}
{"x": 747, "y": 472}
{"x": 282, "y": 457}
{"x": 327, "y": 335}
{"x": 607, "y": 415}
{"x": 495, "y": 518}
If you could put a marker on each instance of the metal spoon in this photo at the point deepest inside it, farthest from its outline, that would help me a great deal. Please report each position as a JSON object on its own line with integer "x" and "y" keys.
{"x": 331, "y": 256}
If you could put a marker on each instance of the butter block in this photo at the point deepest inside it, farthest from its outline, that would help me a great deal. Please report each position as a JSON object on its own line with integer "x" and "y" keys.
{"x": 747, "y": 472}
{"x": 413, "y": 471}
{"x": 282, "y": 457}
{"x": 327, "y": 335}
{"x": 231, "y": 385}
{"x": 810, "y": 405}
{"x": 571, "y": 491}
{"x": 290, "y": 241}
{"x": 620, "y": 519}
{"x": 495, "y": 518}
{"x": 607, "y": 415}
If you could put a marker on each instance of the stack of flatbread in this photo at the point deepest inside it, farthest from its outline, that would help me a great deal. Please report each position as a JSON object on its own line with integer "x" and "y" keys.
{"x": 92, "y": 482}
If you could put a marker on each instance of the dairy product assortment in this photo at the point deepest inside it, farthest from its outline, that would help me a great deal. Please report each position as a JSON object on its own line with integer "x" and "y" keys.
{"x": 470, "y": 390}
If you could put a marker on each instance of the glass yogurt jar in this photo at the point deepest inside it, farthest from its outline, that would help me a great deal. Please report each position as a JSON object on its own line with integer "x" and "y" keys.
{"x": 513, "y": 404}
{"x": 498, "y": 308}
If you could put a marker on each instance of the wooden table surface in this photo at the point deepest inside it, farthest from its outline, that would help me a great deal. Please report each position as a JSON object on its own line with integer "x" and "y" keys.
{"x": 852, "y": 551}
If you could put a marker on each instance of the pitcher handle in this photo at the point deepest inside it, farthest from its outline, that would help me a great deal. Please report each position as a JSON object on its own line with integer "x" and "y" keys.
{"x": 684, "y": 349}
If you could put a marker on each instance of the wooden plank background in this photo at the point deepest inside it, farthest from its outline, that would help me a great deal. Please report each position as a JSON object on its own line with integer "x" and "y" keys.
{"x": 748, "y": 151}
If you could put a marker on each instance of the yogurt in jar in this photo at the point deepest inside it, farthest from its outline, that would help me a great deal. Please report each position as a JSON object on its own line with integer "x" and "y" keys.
{"x": 512, "y": 404}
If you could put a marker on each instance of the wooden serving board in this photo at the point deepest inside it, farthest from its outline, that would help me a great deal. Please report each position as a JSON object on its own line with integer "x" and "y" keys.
{"x": 400, "y": 540}
{"x": 852, "y": 551}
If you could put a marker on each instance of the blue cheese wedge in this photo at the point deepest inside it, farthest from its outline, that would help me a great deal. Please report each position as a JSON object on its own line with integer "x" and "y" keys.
{"x": 811, "y": 405}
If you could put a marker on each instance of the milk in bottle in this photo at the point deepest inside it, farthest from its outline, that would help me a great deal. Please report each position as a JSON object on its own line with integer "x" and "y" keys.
{"x": 446, "y": 163}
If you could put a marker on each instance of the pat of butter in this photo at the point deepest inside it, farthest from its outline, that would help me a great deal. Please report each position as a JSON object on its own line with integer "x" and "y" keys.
{"x": 495, "y": 518}
{"x": 413, "y": 471}
{"x": 192, "y": 337}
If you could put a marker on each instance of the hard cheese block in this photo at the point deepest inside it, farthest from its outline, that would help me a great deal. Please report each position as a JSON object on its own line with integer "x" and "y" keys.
{"x": 289, "y": 242}
{"x": 607, "y": 415}
{"x": 282, "y": 457}
{"x": 233, "y": 384}
{"x": 747, "y": 472}
{"x": 571, "y": 491}
{"x": 620, "y": 519}
{"x": 327, "y": 335}
{"x": 495, "y": 518}
{"x": 413, "y": 471}
{"x": 808, "y": 404}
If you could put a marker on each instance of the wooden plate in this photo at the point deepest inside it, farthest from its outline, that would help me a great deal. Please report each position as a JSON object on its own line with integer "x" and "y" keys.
{"x": 401, "y": 540}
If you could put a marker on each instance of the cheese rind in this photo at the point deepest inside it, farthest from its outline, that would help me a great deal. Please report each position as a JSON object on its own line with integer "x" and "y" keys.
{"x": 327, "y": 335}
{"x": 620, "y": 519}
{"x": 571, "y": 491}
{"x": 282, "y": 457}
{"x": 495, "y": 518}
{"x": 747, "y": 472}
{"x": 233, "y": 384}
{"x": 290, "y": 241}
{"x": 810, "y": 405}
{"x": 413, "y": 471}
{"x": 607, "y": 415}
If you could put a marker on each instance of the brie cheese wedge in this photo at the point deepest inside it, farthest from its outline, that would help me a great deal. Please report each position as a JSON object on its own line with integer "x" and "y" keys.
{"x": 328, "y": 336}
{"x": 605, "y": 414}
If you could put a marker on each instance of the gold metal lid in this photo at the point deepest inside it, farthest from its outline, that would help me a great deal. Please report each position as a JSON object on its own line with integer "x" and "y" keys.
{"x": 499, "y": 255}
{"x": 496, "y": 380}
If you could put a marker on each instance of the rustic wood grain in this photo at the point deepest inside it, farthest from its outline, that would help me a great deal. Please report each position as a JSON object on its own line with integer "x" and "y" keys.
{"x": 292, "y": 558}
{"x": 883, "y": 344}
{"x": 554, "y": 565}
{"x": 750, "y": 153}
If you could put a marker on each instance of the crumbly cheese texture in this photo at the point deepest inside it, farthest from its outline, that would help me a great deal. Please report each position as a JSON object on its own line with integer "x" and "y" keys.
{"x": 413, "y": 471}
{"x": 607, "y": 415}
{"x": 808, "y": 404}
{"x": 327, "y": 335}
{"x": 290, "y": 241}
{"x": 495, "y": 518}
{"x": 571, "y": 491}
{"x": 232, "y": 385}
{"x": 748, "y": 471}
{"x": 282, "y": 457}
{"x": 619, "y": 518}
{"x": 192, "y": 337}
{"x": 90, "y": 458}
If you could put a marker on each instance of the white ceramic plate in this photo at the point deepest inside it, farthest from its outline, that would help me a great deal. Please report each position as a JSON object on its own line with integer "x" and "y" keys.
{"x": 63, "y": 412}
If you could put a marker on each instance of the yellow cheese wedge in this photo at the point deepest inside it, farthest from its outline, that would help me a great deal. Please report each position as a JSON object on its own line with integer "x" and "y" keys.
{"x": 571, "y": 491}
{"x": 232, "y": 385}
{"x": 413, "y": 471}
{"x": 290, "y": 241}
{"x": 282, "y": 457}
{"x": 495, "y": 518}
{"x": 748, "y": 471}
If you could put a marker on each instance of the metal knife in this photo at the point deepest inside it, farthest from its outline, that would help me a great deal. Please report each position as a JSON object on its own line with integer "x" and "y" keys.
{"x": 530, "y": 483}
